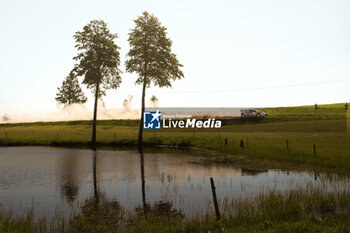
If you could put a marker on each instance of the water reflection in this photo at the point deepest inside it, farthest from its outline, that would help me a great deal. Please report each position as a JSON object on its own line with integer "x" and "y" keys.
{"x": 49, "y": 178}
{"x": 69, "y": 177}
{"x": 252, "y": 172}
{"x": 96, "y": 191}
{"x": 143, "y": 181}
{"x": 96, "y": 210}
{"x": 164, "y": 208}
{"x": 70, "y": 192}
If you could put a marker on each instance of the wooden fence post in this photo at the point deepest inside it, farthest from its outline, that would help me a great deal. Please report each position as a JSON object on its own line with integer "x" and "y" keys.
{"x": 217, "y": 211}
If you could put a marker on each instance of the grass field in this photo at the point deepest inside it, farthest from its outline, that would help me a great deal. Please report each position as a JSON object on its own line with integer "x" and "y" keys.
{"x": 264, "y": 141}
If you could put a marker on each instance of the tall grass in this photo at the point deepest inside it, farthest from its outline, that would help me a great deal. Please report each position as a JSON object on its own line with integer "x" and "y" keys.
{"x": 300, "y": 210}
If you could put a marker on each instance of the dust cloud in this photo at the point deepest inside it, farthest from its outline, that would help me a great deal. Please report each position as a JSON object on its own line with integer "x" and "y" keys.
{"x": 74, "y": 112}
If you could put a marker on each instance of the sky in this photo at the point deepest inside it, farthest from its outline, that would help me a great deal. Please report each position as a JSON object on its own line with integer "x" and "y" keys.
{"x": 248, "y": 53}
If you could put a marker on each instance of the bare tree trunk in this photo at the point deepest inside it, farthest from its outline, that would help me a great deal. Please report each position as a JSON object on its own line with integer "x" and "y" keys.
{"x": 93, "y": 139}
{"x": 142, "y": 110}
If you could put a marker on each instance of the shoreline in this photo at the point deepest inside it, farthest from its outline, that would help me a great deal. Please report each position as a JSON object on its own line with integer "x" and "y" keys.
{"x": 219, "y": 154}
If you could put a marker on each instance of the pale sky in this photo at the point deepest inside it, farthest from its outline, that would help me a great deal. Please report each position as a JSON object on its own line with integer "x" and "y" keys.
{"x": 235, "y": 53}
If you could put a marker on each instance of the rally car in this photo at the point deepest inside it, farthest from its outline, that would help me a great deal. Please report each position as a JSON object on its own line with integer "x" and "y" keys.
{"x": 252, "y": 113}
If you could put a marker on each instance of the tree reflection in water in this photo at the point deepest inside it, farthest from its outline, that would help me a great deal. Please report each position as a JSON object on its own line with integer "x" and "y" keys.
{"x": 70, "y": 191}
{"x": 94, "y": 171}
{"x": 164, "y": 208}
{"x": 97, "y": 214}
{"x": 69, "y": 178}
{"x": 143, "y": 182}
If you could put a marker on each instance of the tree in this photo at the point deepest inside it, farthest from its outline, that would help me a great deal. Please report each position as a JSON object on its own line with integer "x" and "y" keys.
{"x": 70, "y": 91}
{"x": 151, "y": 58}
{"x": 98, "y": 62}
{"x": 154, "y": 101}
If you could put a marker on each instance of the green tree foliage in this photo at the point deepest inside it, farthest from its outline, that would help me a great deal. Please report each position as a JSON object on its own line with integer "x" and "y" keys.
{"x": 98, "y": 59}
{"x": 151, "y": 58}
{"x": 70, "y": 91}
{"x": 154, "y": 99}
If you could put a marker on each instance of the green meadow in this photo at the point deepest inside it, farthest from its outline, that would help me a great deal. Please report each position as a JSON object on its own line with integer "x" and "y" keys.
{"x": 293, "y": 137}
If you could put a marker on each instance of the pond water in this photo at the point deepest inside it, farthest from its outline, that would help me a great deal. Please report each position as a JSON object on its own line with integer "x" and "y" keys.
{"x": 57, "y": 180}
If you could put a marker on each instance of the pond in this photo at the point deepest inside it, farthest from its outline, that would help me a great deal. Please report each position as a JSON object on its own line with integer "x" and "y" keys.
{"x": 55, "y": 181}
